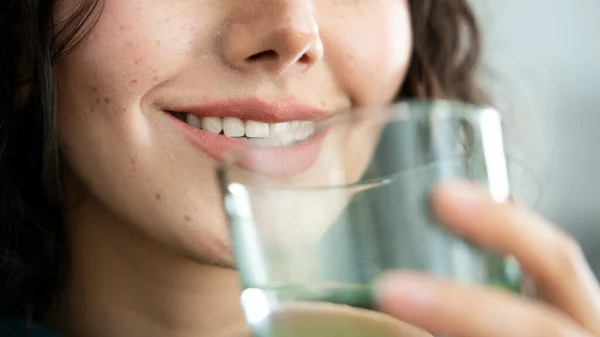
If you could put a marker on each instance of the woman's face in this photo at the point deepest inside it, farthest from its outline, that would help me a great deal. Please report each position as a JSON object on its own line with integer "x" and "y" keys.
{"x": 235, "y": 58}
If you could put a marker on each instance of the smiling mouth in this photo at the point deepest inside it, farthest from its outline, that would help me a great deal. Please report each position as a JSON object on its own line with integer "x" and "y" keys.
{"x": 251, "y": 131}
{"x": 284, "y": 131}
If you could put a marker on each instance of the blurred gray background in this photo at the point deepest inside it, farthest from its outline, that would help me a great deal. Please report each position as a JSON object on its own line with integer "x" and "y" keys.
{"x": 542, "y": 68}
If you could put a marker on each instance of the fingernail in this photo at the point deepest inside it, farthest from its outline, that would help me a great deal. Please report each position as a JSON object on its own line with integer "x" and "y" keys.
{"x": 467, "y": 194}
{"x": 406, "y": 289}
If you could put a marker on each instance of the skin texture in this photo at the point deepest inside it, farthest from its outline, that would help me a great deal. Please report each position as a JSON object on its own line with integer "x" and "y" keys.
{"x": 149, "y": 245}
{"x": 142, "y": 57}
{"x": 146, "y": 215}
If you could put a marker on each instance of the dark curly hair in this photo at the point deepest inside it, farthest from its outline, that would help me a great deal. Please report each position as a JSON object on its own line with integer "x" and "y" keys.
{"x": 34, "y": 246}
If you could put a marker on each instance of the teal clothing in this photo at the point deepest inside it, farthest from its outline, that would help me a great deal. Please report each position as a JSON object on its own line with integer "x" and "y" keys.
{"x": 18, "y": 328}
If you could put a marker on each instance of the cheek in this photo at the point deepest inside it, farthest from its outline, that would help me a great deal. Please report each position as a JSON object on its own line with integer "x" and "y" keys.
{"x": 134, "y": 47}
{"x": 369, "y": 49}
{"x": 115, "y": 144}
{"x": 137, "y": 45}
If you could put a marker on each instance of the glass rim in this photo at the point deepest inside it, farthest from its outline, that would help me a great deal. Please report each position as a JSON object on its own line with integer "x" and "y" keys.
{"x": 397, "y": 110}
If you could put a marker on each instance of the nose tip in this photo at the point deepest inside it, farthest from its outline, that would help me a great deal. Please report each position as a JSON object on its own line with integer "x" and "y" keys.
{"x": 274, "y": 43}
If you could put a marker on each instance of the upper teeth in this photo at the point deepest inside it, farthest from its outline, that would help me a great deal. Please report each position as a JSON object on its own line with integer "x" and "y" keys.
{"x": 235, "y": 127}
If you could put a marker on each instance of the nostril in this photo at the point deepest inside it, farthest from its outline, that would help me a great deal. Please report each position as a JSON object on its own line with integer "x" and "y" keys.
{"x": 304, "y": 59}
{"x": 267, "y": 54}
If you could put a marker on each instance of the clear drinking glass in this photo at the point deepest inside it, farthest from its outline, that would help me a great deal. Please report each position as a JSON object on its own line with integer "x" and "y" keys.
{"x": 315, "y": 221}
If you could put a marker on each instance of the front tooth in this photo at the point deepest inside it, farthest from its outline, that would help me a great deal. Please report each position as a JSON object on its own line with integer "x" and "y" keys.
{"x": 212, "y": 124}
{"x": 296, "y": 130}
{"x": 193, "y": 120}
{"x": 262, "y": 141}
{"x": 257, "y": 129}
{"x": 268, "y": 141}
{"x": 233, "y": 127}
{"x": 301, "y": 129}
{"x": 308, "y": 128}
{"x": 279, "y": 129}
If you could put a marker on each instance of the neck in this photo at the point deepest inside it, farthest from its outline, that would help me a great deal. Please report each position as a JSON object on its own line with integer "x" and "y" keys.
{"x": 123, "y": 283}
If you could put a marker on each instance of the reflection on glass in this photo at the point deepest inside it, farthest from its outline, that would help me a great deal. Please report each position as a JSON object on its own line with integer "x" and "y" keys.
{"x": 314, "y": 222}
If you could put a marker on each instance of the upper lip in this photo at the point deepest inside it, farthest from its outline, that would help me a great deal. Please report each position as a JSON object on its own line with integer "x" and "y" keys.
{"x": 255, "y": 109}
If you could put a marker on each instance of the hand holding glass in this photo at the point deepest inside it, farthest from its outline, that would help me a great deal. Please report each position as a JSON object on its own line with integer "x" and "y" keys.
{"x": 315, "y": 222}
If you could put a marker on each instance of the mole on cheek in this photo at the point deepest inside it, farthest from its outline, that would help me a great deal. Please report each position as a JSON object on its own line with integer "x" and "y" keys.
{"x": 134, "y": 80}
{"x": 107, "y": 100}
{"x": 187, "y": 218}
{"x": 94, "y": 89}
{"x": 158, "y": 196}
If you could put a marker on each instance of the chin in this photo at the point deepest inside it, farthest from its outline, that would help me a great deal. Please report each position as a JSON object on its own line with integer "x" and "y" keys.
{"x": 209, "y": 248}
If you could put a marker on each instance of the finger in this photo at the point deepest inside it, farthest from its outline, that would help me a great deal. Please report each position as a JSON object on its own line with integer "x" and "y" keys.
{"x": 446, "y": 307}
{"x": 551, "y": 257}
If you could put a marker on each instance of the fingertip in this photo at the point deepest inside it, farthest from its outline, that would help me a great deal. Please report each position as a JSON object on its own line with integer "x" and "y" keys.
{"x": 457, "y": 196}
{"x": 467, "y": 192}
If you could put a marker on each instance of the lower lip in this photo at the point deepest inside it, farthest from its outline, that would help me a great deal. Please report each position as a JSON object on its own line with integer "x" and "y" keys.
{"x": 276, "y": 161}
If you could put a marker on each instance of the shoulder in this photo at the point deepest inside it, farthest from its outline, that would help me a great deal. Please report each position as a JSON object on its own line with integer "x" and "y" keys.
{"x": 18, "y": 328}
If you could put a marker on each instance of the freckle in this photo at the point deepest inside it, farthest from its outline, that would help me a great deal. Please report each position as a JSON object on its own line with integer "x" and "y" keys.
{"x": 130, "y": 44}
{"x": 158, "y": 196}
{"x": 322, "y": 103}
{"x": 94, "y": 89}
{"x": 107, "y": 100}
{"x": 134, "y": 81}
{"x": 121, "y": 27}
{"x": 137, "y": 60}
{"x": 167, "y": 20}
{"x": 191, "y": 29}
{"x": 92, "y": 108}
{"x": 155, "y": 78}
{"x": 158, "y": 42}
{"x": 187, "y": 218}
{"x": 97, "y": 100}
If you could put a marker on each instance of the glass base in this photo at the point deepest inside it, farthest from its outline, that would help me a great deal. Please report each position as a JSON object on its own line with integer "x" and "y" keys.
{"x": 325, "y": 310}
{"x": 322, "y": 319}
